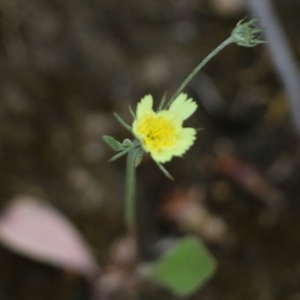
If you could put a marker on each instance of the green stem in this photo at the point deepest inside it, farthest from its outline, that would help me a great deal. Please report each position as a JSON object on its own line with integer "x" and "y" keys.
{"x": 130, "y": 191}
{"x": 197, "y": 69}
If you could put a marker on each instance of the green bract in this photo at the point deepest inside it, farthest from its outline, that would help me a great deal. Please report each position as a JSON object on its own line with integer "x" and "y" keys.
{"x": 247, "y": 34}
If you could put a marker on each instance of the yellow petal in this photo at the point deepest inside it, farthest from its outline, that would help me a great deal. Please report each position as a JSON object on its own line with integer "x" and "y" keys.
{"x": 183, "y": 108}
{"x": 144, "y": 106}
{"x": 162, "y": 156}
{"x": 185, "y": 141}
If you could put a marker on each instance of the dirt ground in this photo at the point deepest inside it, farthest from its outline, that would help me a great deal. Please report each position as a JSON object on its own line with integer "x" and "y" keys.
{"x": 67, "y": 65}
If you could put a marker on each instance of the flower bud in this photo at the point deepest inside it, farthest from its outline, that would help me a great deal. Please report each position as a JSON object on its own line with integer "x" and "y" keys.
{"x": 247, "y": 34}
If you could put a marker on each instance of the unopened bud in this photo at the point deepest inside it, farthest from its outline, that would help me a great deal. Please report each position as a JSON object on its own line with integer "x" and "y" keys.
{"x": 247, "y": 34}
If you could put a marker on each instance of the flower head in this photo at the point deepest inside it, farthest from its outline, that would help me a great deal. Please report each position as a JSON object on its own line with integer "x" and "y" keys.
{"x": 161, "y": 133}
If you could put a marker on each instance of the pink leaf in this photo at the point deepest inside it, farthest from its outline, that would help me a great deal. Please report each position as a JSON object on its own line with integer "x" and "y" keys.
{"x": 35, "y": 229}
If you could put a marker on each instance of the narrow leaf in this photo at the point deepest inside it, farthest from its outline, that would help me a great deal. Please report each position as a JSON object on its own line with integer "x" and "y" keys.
{"x": 185, "y": 268}
{"x": 122, "y": 122}
{"x": 162, "y": 102}
{"x": 125, "y": 151}
{"x": 139, "y": 156}
{"x": 165, "y": 171}
{"x": 132, "y": 113}
{"x": 113, "y": 143}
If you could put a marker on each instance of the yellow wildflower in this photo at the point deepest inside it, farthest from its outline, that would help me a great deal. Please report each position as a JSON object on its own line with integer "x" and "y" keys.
{"x": 161, "y": 133}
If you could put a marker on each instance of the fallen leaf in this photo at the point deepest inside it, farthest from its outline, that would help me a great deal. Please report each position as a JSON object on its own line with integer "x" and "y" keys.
{"x": 35, "y": 229}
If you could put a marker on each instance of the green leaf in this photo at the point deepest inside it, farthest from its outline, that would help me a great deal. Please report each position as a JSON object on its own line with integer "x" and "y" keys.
{"x": 185, "y": 268}
{"x": 122, "y": 122}
{"x": 132, "y": 113}
{"x": 162, "y": 102}
{"x": 139, "y": 156}
{"x": 162, "y": 168}
{"x": 125, "y": 151}
{"x": 113, "y": 143}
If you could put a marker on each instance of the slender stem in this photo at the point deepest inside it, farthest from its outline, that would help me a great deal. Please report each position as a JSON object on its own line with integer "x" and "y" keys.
{"x": 197, "y": 69}
{"x": 130, "y": 191}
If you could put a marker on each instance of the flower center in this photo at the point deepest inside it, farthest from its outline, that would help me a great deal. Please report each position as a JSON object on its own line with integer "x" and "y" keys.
{"x": 158, "y": 132}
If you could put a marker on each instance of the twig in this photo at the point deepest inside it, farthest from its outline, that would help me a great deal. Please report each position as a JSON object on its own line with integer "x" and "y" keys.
{"x": 281, "y": 55}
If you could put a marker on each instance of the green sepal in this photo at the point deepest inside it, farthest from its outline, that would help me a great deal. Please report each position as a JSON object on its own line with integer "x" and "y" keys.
{"x": 162, "y": 102}
{"x": 125, "y": 151}
{"x": 247, "y": 34}
{"x": 113, "y": 143}
{"x": 122, "y": 122}
{"x": 132, "y": 113}
{"x": 139, "y": 156}
{"x": 162, "y": 168}
{"x": 184, "y": 268}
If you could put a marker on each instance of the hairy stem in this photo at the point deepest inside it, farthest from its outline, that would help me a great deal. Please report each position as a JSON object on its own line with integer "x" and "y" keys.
{"x": 130, "y": 191}
{"x": 199, "y": 67}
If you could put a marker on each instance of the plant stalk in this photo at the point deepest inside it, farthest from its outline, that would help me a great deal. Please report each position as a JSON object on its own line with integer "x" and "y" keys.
{"x": 199, "y": 67}
{"x": 130, "y": 191}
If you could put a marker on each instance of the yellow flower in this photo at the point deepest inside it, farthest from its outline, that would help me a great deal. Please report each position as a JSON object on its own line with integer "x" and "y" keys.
{"x": 161, "y": 133}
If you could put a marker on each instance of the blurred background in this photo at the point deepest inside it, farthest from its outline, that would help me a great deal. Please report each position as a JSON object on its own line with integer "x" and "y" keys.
{"x": 65, "y": 66}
